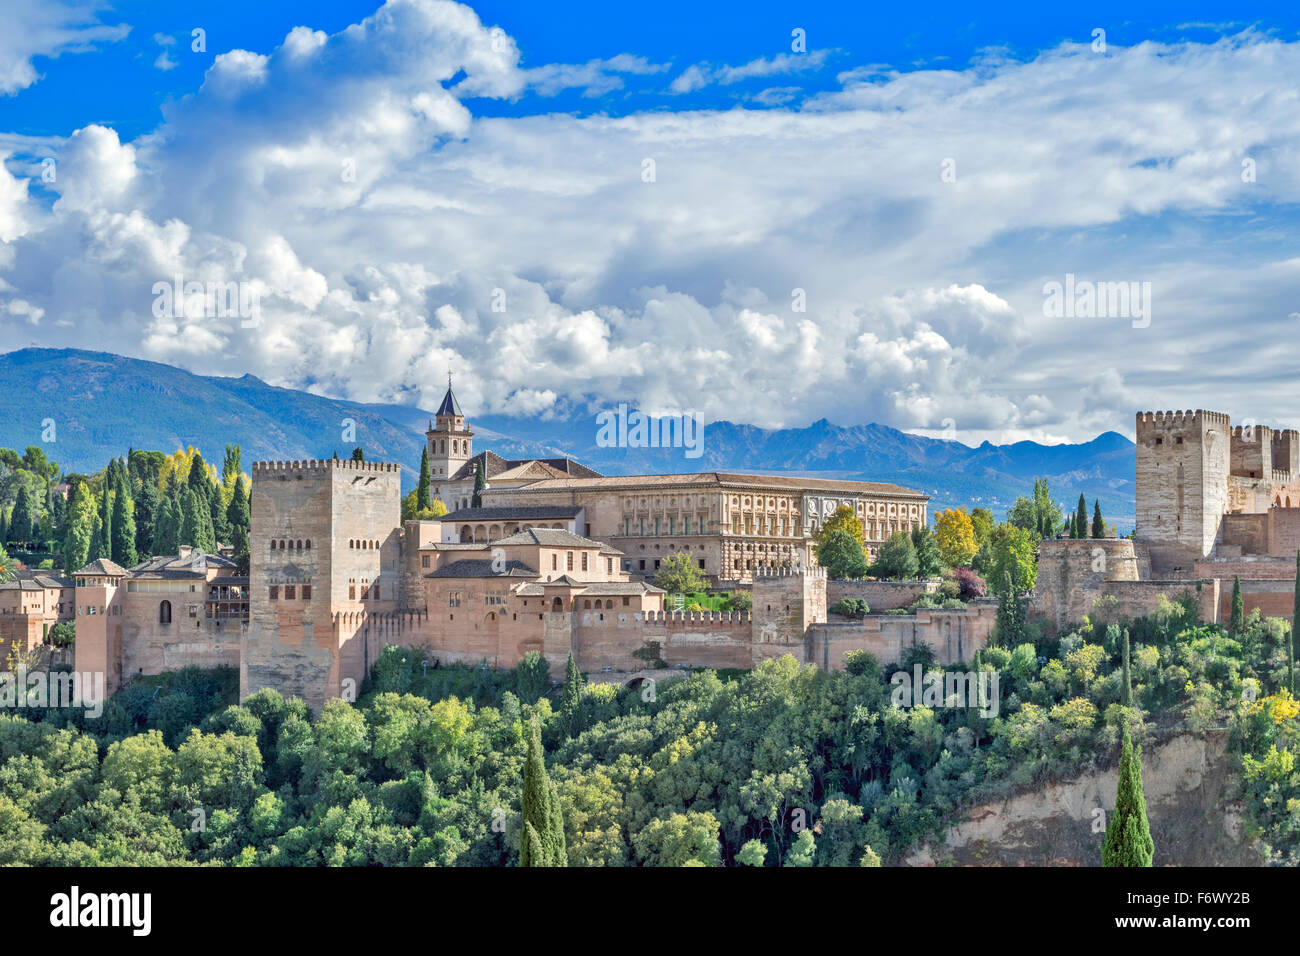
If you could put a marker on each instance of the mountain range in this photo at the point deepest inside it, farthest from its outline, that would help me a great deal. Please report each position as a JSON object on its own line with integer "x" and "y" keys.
{"x": 99, "y": 405}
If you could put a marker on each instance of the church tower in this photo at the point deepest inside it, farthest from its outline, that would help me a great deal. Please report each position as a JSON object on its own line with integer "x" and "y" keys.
{"x": 450, "y": 441}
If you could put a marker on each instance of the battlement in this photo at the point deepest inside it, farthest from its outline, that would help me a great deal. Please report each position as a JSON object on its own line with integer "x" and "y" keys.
{"x": 1254, "y": 433}
{"x": 1282, "y": 436}
{"x": 697, "y": 617}
{"x": 320, "y": 467}
{"x": 1181, "y": 419}
{"x": 760, "y": 573}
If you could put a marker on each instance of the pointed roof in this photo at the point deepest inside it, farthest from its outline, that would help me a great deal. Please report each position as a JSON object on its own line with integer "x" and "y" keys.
{"x": 449, "y": 404}
{"x": 104, "y": 568}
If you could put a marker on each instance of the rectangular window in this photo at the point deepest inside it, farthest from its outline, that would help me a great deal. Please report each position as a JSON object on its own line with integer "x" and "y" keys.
{"x": 306, "y": 592}
{"x": 453, "y": 599}
{"x": 687, "y": 529}
{"x": 626, "y": 601}
{"x": 554, "y": 565}
{"x": 275, "y": 592}
{"x": 290, "y": 592}
{"x": 701, "y": 564}
{"x": 568, "y": 560}
{"x": 584, "y": 560}
{"x": 424, "y": 560}
{"x": 352, "y": 592}
{"x": 374, "y": 592}
{"x": 642, "y": 568}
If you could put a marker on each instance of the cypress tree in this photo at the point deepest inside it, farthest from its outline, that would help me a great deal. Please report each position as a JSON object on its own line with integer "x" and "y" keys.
{"x": 1126, "y": 690}
{"x": 106, "y": 516}
{"x": 480, "y": 483}
{"x": 556, "y": 848}
{"x": 1237, "y": 623}
{"x": 76, "y": 541}
{"x": 123, "y": 525}
{"x": 539, "y": 843}
{"x": 217, "y": 516}
{"x": 1294, "y": 646}
{"x": 167, "y": 533}
{"x": 189, "y": 524}
{"x": 1128, "y": 837}
{"x": 4, "y": 527}
{"x": 20, "y": 520}
{"x": 97, "y": 544}
{"x": 1081, "y": 519}
{"x": 1098, "y": 526}
{"x": 237, "y": 517}
{"x": 146, "y": 504}
{"x": 422, "y": 489}
{"x": 571, "y": 699}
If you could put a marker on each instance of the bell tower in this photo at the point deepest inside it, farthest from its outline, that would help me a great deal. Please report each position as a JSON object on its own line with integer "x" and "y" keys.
{"x": 450, "y": 442}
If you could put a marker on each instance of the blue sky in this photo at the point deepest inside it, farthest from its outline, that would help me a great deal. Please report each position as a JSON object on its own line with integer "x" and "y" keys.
{"x": 417, "y": 185}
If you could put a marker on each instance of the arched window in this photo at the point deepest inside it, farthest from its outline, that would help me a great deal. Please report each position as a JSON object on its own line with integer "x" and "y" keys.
{"x": 272, "y": 544}
{"x": 309, "y": 544}
{"x": 299, "y": 545}
{"x": 557, "y": 605}
{"x": 165, "y": 612}
{"x": 586, "y": 605}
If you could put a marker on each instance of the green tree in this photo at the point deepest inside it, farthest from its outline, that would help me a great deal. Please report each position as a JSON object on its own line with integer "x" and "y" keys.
{"x": 1294, "y": 645}
{"x": 146, "y": 504}
{"x": 238, "y": 518}
{"x": 358, "y": 455}
{"x": 123, "y": 525}
{"x": 928, "y": 562}
{"x": 80, "y": 527}
{"x": 677, "y": 574}
{"x": 1128, "y": 836}
{"x": 1098, "y": 526}
{"x": 897, "y": 558}
{"x": 20, "y": 521}
{"x": 1081, "y": 518}
{"x": 841, "y": 555}
{"x": 571, "y": 699}
{"x": 1126, "y": 688}
{"x": 1237, "y": 622}
{"x": 841, "y": 519}
{"x": 532, "y": 677}
{"x": 539, "y": 843}
{"x": 1010, "y": 621}
{"x": 422, "y": 489}
{"x": 1037, "y": 513}
{"x": 480, "y": 484}
{"x": 167, "y": 528}
{"x": 1013, "y": 553}
{"x": 232, "y": 466}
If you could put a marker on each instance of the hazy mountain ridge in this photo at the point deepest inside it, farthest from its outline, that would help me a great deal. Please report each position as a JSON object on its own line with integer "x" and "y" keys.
{"x": 103, "y": 404}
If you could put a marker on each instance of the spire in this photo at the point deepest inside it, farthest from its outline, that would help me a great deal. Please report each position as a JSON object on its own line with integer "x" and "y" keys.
{"x": 449, "y": 404}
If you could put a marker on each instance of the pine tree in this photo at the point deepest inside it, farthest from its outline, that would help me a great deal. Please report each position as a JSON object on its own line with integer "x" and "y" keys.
{"x": 1098, "y": 526}
{"x": 198, "y": 478}
{"x": 1237, "y": 623}
{"x": 1128, "y": 837}
{"x": 422, "y": 489}
{"x": 1126, "y": 689}
{"x": 233, "y": 464}
{"x": 1081, "y": 519}
{"x": 123, "y": 524}
{"x": 480, "y": 484}
{"x": 571, "y": 699}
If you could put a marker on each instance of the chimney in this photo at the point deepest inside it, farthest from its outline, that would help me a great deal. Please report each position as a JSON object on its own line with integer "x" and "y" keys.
{"x": 185, "y": 550}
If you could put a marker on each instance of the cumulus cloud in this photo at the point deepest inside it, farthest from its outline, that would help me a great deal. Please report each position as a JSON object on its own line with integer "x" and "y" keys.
{"x": 49, "y": 28}
{"x": 781, "y": 265}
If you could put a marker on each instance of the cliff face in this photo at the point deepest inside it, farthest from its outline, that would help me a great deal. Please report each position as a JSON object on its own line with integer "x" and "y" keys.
{"x": 1190, "y": 790}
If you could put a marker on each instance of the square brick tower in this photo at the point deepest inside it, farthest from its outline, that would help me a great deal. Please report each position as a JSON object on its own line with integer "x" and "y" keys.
{"x": 1184, "y": 459}
{"x": 324, "y": 557}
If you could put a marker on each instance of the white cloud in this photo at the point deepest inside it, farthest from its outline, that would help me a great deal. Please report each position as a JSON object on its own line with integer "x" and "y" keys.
{"x": 392, "y": 233}
{"x": 49, "y": 28}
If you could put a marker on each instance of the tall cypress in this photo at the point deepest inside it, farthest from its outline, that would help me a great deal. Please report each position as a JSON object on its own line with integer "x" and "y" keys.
{"x": 167, "y": 533}
{"x": 422, "y": 489}
{"x": 106, "y": 516}
{"x": 20, "y": 519}
{"x": 123, "y": 525}
{"x": 1128, "y": 836}
{"x": 541, "y": 841}
{"x": 571, "y": 699}
{"x": 1294, "y": 646}
{"x": 480, "y": 484}
{"x": 1126, "y": 690}
{"x": 1081, "y": 519}
{"x": 237, "y": 517}
{"x": 1098, "y": 526}
{"x": 1237, "y": 622}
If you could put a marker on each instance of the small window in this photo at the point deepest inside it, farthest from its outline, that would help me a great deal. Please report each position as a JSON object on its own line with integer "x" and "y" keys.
{"x": 306, "y": 592}
{"x": 275, "y": 592}
{"x": 568, "y": 560}
{"x": 352, "y": 592}
{"x": 424, "y": 560}
{"x": 289, "y": 592}
{"x": 374, "y": 592}
{"x": 584, "y": 560}
{"x": 165, "y": 612}
{"x": 626, "y": 601}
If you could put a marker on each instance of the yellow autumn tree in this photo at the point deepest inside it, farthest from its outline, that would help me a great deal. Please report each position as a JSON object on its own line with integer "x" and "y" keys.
{"x": 955, "y": 535}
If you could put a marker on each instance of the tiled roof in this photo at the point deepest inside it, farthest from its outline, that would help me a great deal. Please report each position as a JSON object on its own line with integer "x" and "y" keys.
{"x": 538, "y": 588}
{"x": 719, "y": 479}
{"x": 174, "y": 565}
{"x": 522, "y": 512}
{"x": 494, "y": 465}
{"x": 449, "y": 405}
{"x": 104, "y": 568}
{"x": 552, "y": 537}
{"x": 482, "y": 568}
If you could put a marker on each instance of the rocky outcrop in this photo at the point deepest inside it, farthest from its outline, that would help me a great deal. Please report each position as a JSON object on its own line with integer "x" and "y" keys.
{"x": 1190, "y": 788}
